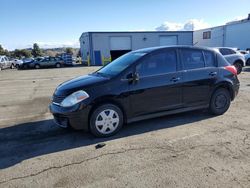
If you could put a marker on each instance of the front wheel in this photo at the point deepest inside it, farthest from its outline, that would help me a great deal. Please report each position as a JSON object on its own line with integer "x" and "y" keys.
{"x": 248, "y": 62}
{"x": 239, "y": 67}
{"x": 37, "y": 66}
{"x": 220, "y": 102}
{"x": 106, "y": 120}
{"x": 58, "y": 65}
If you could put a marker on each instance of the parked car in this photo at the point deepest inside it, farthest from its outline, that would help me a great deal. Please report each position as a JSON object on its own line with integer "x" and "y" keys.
{"x": 244, "y": 52}
{"x": 25, "y": 63}
{"x": 27, "y": 60}
{"x": 233, "y": 57}
{"x": 48, "y": 62}
{"x": 44, "y": 63}
{"x": 18, "y": 63}
{"x": 5, "y": 63}
{"x": 144, "y": 84}
{"x": 247, "y": 58}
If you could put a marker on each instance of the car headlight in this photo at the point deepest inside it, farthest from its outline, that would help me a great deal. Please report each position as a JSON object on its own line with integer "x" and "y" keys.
{"x": 74, "y": 98}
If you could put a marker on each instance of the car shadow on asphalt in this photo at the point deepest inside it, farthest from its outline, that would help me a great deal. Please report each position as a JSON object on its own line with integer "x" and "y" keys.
{"x": 66, "y": 66}
{"x": 34, "y": 139}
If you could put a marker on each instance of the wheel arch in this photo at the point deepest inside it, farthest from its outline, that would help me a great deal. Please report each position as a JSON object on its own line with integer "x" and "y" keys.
{"x": 239, "y": 61}
{"x": 107, "y": 100}
{"x": 226, "y": 85}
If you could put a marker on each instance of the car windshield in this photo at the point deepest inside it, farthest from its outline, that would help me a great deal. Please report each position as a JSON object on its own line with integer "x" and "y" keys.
{"x": 120, "y": 64}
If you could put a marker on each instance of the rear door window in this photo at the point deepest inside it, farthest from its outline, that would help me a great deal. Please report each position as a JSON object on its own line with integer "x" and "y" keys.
{"x": 209, "y": 59}
{"x": 192, "y": 59}
{"x": 159, "y": 63}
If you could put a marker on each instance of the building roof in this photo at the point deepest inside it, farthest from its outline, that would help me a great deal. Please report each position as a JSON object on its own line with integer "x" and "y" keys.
{"x": 131, "y": 32}
{"x": 228, "y": 23}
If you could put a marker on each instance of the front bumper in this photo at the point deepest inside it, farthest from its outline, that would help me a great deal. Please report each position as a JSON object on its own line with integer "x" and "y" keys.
{"x": 75, "y": 117}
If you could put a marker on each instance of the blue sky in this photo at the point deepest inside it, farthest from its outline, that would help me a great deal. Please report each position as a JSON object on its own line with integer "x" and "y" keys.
{"x": 61, "y": 22}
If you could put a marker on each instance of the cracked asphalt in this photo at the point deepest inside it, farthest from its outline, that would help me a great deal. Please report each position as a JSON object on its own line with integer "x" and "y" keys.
{"x": 192, "y": 149}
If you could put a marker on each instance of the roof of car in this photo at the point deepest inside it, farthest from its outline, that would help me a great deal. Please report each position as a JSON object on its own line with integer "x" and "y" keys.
{"x": 148, "y": 50}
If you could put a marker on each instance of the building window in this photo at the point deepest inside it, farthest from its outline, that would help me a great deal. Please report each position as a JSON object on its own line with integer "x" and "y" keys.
{"x": 207, "y": 35}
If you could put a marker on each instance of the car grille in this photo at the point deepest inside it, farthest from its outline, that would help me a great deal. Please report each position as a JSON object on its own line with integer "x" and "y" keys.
{"x": 58, "y": 99}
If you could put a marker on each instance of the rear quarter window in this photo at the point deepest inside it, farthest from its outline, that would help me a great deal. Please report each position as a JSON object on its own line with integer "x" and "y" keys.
{"x": 209, "y": 59}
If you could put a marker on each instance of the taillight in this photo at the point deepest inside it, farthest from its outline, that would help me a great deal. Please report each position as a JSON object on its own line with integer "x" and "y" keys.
{"x": 231, "y": 69}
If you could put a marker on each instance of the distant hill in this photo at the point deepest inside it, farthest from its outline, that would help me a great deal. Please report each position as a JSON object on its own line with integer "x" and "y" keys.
{"x": 56, "y": 51}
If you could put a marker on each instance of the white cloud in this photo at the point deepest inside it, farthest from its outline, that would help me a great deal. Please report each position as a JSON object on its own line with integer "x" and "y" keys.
{"x": 170, "y": 26}
{"x": 193, "y": 24}
{"x": 237, "y": 18}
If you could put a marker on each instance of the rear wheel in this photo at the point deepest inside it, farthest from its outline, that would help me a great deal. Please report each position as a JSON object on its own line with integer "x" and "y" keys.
{"x": 106, "y": 120}
{"x": 12, "y": 66}
{"x": 220, "y": 101}
{"x": 238, "y": 66}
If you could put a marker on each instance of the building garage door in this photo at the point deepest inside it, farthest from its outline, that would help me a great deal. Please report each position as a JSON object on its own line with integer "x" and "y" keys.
{"x": 120, "y": 43}
{"x": 119, "y": 46}
{"x": 168, "y": 40}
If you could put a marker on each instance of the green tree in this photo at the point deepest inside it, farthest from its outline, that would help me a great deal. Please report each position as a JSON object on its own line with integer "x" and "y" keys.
{"x": 3, "y": 51}
{"x": 36, "y": 51}
{"x": 22, "y": 53}
{"x": 26, "y": 53}
{"x": 69, "y": 50}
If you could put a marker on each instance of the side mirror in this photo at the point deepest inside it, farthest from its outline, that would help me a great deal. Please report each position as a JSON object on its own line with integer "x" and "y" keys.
{"x": 133, "y": 77}
{"x": 136, "y": 76}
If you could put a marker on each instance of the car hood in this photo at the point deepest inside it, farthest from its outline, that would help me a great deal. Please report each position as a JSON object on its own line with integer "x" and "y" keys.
{"x": 79, "y": 83}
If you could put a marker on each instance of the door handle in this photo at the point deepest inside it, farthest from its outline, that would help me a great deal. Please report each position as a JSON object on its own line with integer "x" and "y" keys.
{"x": 175, "y": 79}
{"x": 212, "y": 73}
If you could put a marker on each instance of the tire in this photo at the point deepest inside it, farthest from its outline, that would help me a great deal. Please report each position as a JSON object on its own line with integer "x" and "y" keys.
{"x": 58, "y": 65}
{"x": 37, "y": 66}
{"x": 12, "y": 66}
{"x": 238, "y": 66}
{"x": 220, "y": 101}
{"x": 106, "y": 120}
{"x": 248, "y": 62}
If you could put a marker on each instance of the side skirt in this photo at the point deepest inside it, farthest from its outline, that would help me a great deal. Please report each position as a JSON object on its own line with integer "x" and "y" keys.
{"x": 159, "y": 114}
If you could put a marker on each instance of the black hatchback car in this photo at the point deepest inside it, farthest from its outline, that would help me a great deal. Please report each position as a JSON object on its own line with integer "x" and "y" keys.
{"x": 144, "y": 84}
